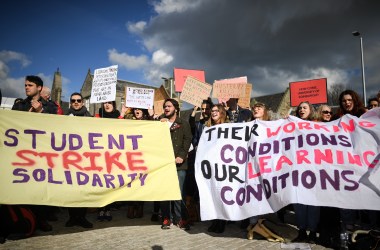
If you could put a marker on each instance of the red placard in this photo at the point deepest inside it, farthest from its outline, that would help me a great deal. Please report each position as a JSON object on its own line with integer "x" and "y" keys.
{"x": 313, "y": 91}
{"x": 180, "y": 76}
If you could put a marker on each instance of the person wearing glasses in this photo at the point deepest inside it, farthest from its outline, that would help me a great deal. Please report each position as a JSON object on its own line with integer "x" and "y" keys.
{"x": 218, "y": 116}
{"x": 77, "y": 215}
{"x": 324, "y": 113}
{"x": 77, "y": 107}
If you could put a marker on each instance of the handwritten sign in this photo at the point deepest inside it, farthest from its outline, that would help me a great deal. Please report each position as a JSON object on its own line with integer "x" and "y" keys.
{"x": 254, "y": 168}
{"x": 104, "y": 84}
{"x": 195, "y": 91}
{"x": 313, "y": 91}
{"x": 245, "y": 101}
{"x": 180, "y": 76}
{"x": 83, "y": 161}
{"x": 139, "y": 97}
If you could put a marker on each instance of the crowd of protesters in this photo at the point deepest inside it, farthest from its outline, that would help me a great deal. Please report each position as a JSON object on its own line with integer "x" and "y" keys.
{"x": 315, "y": 224}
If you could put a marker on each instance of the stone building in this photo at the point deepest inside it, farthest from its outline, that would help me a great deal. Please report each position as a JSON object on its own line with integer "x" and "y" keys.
{"x": 276, "y": 103}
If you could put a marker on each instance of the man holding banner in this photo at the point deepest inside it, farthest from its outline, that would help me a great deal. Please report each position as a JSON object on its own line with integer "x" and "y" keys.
{"x": 181, "y": 139}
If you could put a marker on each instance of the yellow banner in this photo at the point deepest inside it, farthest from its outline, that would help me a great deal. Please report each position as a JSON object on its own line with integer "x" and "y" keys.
{"x": 84, "y": 161}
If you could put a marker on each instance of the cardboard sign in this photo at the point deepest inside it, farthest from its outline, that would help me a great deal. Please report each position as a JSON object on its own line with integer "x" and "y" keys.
{"x": 195, "y": 91}
{"x": 180, "y": 76}
{"x": 224, "y": 89}
{"x": 312, "y": 91}
{"x": 245, "y": 101}
{"x": 104, "y": 85}
{"x": 139, "y": 97}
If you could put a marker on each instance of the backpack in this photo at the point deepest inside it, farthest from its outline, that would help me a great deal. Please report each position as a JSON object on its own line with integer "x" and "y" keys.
{"x": 16, "y": 222}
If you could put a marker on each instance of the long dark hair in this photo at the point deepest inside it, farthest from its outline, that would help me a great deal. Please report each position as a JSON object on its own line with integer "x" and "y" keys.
{"x": 358, "y": 108}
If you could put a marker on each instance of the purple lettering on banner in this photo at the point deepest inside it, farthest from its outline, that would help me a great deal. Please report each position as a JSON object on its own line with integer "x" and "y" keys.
{"x": 267, "y": 188}
{"x": 112, "y": 141}
{"x": 34, "y": 134}
{"x": 55, "y": 147}
{"x": 258, "y": 194}
{"x": 312, "y": 139}
{"x": 51, "y": 177}
{"x": 241, "y": 155}
{"x": 121, "y": 180}
{"x": 142, "y": 178}
{"x": 14, "y": 138}
{"x": 274, "y": 184}
{"x": 72, "y": 138}
{"x": 39, "y": 175}
{"x": 133, "y": 177}
{"x": 283, "y": 178}
{"x": 108, "y": 178}
{"x": 345, "y": 174}
{"x": 21, "y": 173}
{"x": 92, "y": 141}
{"x": 264, "y": 148}
{"x": 134, "y": 138}
{"x": 83, "y": 181}
{"x": 287, "y": 140}
{"x": 240, "y": 196}
{"x": 223, "y": 151}
{"x": 68, "y": 177}
{"x": 223, "y": 195}
{"x": 325, "y": 177}
{"x": 295, "y": 178}
{"x": 96, "y": 181}
{"x": 313, "y": 179}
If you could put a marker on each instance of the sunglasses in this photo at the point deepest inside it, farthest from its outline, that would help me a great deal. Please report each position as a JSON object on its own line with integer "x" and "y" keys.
{"x": 326, "y": 112}
{"x": 76, "y": 100}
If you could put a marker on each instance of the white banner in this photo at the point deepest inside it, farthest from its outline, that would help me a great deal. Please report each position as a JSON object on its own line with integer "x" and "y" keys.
{"x": 104, "y": 85}
{"x": 254, "y": 168}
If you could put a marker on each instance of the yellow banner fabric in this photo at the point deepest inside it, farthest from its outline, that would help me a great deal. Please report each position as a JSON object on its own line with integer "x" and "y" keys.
{"x": 84, "y": 161}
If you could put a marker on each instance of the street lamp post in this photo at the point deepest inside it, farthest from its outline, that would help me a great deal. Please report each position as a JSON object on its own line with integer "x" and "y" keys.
{"x": 357, "y": 33}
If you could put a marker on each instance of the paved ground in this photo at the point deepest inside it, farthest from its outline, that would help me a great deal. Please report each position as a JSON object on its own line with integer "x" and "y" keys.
{"x": 124, "y": 233}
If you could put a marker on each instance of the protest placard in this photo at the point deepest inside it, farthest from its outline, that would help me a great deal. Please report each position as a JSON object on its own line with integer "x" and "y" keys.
{"x": 76, "y": 161}
{"x": 254, "y": 168}
{"x": 104, "y": 85}
{"x": 139, "y": 97}
{"x": 195, "y": 91}
{"x": 245, "y": 101}
{"x": 312, "y": 91}
{"x": 180, "y": 76}
{"x": 229, "y": 88}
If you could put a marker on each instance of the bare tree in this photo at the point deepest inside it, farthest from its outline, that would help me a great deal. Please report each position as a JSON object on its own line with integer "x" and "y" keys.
{"x": 333, "y": 93}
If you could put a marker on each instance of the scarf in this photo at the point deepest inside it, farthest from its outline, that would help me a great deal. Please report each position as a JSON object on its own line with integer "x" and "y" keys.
{"x": 114, "y": 114}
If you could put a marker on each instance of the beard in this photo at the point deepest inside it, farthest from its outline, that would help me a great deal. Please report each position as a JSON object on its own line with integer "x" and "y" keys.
{"x": 170, "y": 115}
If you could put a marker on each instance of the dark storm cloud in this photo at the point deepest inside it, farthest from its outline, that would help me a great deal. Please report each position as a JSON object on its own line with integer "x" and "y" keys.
{"x": 273, "y": 42}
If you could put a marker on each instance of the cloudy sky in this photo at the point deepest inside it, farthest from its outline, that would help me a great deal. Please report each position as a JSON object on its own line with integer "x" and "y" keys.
{"x": 271, "y": 42}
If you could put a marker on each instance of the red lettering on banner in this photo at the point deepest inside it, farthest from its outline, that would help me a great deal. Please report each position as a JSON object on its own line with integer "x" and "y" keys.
{"x": 132, "y": 162}
{"x": 283, "y": 159}
{"x": 29, "y": 162}
{"x": 301, "y": 157}
{"x": 67, "y": 161}
{"x": 113, "y": 159}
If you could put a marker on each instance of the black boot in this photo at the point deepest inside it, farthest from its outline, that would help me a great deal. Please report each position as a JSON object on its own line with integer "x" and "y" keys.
{"x": 221, "y": 226}
{"x": 302, "y": 236}
{"x": 213, "y": 226}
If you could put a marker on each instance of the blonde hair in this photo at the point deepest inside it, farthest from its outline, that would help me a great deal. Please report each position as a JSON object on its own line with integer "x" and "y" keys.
{"x": 266, "y": 116}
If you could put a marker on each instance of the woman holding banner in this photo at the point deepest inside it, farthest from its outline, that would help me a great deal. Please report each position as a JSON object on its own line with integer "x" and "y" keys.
{"x": 307, "y": 216}
{"x": 218, "y": 116}
{"x": 108, "y": 110}
{"x": 136, "y": 208}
